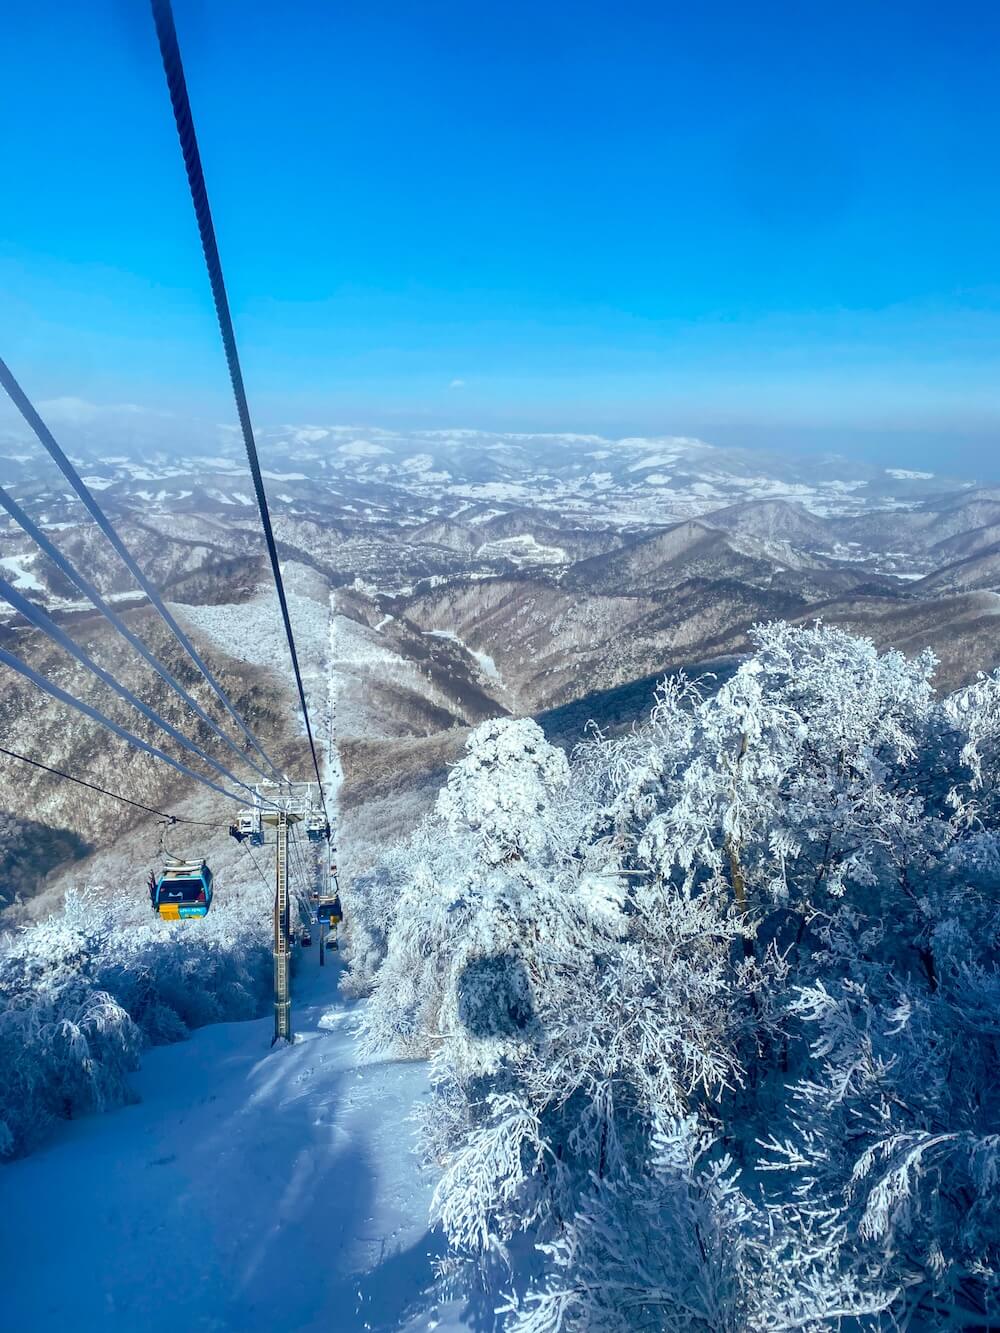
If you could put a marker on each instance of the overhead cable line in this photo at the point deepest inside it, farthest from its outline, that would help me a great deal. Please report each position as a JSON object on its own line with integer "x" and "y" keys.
{"x": 48, "y": 626}
{"x": 300, "y": 864}
{"x": 87, "y": 588}
{"x": 305, "y": 902}
{"x": 256, "y": 865}
{"x": 24, "y": 405}
{"x": 103, "y": 791}
{"x": 174, "y": 70}
{"x": 57, "y": 692}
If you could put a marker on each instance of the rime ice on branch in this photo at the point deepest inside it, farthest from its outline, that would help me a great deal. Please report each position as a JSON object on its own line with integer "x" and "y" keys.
{"x": 714, "y": 1009}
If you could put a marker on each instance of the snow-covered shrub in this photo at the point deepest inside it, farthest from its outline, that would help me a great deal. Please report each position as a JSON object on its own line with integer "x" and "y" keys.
{"x": 498, "y": 798}
{"x": 680, "y": 1247}
{"x": 370, "y": 902}
{"x": 479, "y": 890}
{"x": 894, "y": 1128}
{"x": 975, "y": 711}
{"x": 83, "y": 991}
{"x": 714, "y": 1010}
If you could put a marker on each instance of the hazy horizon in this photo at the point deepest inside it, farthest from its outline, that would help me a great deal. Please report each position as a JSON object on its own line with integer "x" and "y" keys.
{"x": 129, "y": 426}
{"x": 711, "y": 225}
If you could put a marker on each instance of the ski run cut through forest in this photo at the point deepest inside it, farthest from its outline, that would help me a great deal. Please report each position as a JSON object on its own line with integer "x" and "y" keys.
{"x": 243, "y": 1191}
{"x": 692, "y": 1026}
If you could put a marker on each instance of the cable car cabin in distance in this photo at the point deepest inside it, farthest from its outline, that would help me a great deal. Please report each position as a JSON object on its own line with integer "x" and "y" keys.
{"x": 182, "y": 891}
{"x": 316, "y": 826}
{"x": 330, "y": 910}
{"x": 249, "y": 826}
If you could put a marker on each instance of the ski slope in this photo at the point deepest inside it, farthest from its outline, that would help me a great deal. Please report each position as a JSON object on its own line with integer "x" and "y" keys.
{"x": 249, "y": 1189}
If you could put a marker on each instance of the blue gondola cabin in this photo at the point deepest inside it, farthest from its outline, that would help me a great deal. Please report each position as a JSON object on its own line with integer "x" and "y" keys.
{"x": 182, "y": 890}
{"x": 329, "y": 910}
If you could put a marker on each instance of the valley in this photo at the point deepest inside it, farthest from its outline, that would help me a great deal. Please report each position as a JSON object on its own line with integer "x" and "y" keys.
{"x": 472, "y": 575}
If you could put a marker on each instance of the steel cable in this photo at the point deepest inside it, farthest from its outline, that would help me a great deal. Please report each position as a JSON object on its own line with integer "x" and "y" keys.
{"x": 256, "y": 864}
{"x": 57, "y": 692}
{"x": 177, "y": 85}
{"x": 43, "y": 621}
{"x": 24, "y": 405}
{"x": 87, "y": 588}
{"x": 103, "y": 791}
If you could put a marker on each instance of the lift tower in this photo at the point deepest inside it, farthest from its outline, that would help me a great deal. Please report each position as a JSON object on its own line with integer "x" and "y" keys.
{"x": 282, "y": 961}
{"x": 279, "y": 806}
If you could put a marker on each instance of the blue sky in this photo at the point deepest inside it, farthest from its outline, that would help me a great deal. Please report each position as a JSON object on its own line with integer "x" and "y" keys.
{"x": 761, "y": 223}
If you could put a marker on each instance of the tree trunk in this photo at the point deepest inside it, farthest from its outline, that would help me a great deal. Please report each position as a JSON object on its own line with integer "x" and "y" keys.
{"x": 738, "y": 881}
{"x": 736, "y": 876}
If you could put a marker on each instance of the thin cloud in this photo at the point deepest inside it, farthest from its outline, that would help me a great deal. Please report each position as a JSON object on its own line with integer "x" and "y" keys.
{"x": 80, "y": 410}
{"x": 457, "y": 384}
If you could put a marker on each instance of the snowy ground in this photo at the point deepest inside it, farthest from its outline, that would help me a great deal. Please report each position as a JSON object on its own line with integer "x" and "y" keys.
{"x": 249, "y": 1190}
{"x": 486, "y": 664}
{"x": 253, "y": 632}
{"x": 359, "y": 656}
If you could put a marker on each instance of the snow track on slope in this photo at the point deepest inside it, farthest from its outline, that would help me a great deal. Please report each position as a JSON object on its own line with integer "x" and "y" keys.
{"x": 249, "y": 1190}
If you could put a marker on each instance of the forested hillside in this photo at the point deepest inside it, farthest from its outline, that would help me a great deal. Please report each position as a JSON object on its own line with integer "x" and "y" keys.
{"x": 712, "y": 1007}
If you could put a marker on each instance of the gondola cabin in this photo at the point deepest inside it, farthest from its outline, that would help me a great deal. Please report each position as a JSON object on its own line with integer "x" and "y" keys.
{"x": 249, "y": 826}
{"x": 182, "y": 890}
{"x": 316, "y": 827}
{"x": 330, "y": 910}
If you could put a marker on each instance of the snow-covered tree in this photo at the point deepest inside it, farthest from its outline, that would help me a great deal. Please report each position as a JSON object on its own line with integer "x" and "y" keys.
{"x": 770, "y": 782}
{"x": 481, "y": 890}
{"x": 894, "y": 1126}
{"x": 568, "y": 1011}
{"x": 714, "y": 1009}
{"x": 84, "y": 990}
{"x": 499, "y": 796}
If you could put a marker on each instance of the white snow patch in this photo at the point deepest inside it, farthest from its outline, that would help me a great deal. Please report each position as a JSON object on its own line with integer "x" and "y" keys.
{"x": 23, "y": 578}
{"x": 249, "y": 1189}
{"x": 485, "y": 663}
{"x": 524, "y": 549}
{"x": 221, "y": 465}
{"x": 309, "y": 434}
{"x": 655, "y": 460}
{"x": 252, "y": 632}
{"x": 361, "y": 449}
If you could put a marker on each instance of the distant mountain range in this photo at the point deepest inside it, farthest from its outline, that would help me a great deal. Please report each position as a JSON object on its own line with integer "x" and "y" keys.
{"x": 481, "y": 573}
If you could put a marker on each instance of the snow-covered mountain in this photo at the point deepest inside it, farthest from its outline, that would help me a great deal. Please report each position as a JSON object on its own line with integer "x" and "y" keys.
{"x": 478, "y": 574}
{"x": 624, "y": 480}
